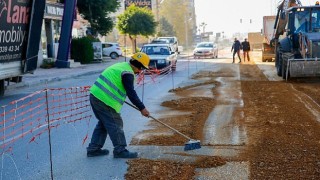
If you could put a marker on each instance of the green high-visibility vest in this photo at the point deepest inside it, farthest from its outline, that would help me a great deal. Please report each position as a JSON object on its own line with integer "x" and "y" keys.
{"x": 109, "y": 89}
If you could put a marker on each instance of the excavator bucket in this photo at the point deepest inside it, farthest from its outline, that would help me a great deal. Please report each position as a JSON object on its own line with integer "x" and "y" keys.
{"x": 304, "y": 67}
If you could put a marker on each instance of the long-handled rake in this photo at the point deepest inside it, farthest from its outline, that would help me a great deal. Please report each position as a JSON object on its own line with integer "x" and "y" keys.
{"x": 190, "y": 145}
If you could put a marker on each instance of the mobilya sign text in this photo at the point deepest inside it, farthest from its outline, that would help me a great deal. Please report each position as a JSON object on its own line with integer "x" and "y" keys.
{"x": 14, "y": 21}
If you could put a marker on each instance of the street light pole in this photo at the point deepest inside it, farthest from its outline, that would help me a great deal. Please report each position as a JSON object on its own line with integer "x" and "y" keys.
{"x": 186, "y": 25}
{"x": 203, "y": 25}
{"x": 157, "y": 14}
{"x": 187, "y": 28}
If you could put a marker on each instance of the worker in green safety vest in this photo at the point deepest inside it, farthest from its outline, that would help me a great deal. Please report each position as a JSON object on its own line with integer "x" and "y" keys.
{"x": 107, "y": 96}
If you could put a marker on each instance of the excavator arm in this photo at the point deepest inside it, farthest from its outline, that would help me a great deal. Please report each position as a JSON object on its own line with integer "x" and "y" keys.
{"x": 282, "y": 16}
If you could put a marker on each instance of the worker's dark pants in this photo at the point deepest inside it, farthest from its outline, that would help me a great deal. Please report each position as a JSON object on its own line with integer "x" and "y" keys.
{"x": 246, "y": 54}
{"x": 238, "y": 53}
{"x": 109, "y": 122}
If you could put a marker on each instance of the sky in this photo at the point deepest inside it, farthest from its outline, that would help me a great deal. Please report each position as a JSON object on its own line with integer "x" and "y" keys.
{"x": 224, "y": 15}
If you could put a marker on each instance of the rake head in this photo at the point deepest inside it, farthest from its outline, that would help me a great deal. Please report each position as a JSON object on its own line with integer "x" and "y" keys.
{"x": 192, "y": 144}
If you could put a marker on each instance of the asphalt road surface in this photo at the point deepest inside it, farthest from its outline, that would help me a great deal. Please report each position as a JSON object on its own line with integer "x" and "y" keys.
{"x": 31, "y": 160}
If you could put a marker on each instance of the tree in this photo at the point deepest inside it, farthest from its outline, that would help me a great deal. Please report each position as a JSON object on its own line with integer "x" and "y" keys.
{"x": 166, "y": 29}
{"x": 136, "y": 21}
{"x": 97, "y": 13}
{"x": 175, "y": 11}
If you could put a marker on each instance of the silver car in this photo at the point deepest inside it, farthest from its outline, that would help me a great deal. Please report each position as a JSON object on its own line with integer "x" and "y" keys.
{"x": 206, "y": 50}
{"x": 161, "y": 56}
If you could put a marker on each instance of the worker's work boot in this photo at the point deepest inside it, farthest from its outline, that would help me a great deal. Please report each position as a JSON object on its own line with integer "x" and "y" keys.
{"x": 100, "y": 152}
{"x": 125, "y": 154}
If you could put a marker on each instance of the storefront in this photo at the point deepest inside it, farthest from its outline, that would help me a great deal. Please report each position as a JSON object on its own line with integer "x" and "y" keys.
{"x": 51, "y": 29}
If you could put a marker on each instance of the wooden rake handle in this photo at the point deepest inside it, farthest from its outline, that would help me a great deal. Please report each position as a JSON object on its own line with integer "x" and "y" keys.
{"x": 185, "y": 136}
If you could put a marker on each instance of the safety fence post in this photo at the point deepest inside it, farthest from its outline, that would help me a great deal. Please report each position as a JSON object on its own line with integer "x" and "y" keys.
{"x": 49, "y": 133}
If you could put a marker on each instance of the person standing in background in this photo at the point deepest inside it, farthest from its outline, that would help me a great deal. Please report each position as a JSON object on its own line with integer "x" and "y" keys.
{"x": 236, "y": 47}
{"x": 245, "y": 48}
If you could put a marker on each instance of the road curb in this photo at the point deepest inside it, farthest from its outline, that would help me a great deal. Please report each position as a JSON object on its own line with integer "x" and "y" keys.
{"x": 49, "y": 80}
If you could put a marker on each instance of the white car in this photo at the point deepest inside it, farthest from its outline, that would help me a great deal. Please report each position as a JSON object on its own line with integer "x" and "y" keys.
{"x": 161, "y": 56}
{"x": 205, "y": 49}
{"x": 112, "y": 50}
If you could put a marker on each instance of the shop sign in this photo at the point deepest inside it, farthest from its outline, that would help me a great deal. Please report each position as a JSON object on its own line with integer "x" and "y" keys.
{"x": 54, "y": 9}
{"x": 139, "y": 3}
{"x": 14, "y": 27}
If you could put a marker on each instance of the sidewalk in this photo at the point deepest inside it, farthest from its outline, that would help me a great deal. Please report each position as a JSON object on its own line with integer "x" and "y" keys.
{"x": 42, "y": 76}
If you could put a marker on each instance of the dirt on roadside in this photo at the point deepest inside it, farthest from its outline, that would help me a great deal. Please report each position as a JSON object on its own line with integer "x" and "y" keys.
{"x": 281, "y": 120}
{"x": 166, "y": 169}
{"x": 284, "y": 134}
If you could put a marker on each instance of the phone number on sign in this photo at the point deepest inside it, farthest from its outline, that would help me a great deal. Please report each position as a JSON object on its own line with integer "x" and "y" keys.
{"x": 4, "y": 49}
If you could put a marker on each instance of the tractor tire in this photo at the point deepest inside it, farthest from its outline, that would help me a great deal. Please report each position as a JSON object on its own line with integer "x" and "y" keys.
{"x": 285, "y": 60}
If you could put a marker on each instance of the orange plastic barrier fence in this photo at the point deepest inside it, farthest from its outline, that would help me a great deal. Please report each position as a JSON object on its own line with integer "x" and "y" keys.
{"x": 30, "y": 117}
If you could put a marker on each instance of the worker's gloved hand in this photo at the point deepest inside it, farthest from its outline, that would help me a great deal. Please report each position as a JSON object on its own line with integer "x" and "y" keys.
{"x": 145, "y": 112}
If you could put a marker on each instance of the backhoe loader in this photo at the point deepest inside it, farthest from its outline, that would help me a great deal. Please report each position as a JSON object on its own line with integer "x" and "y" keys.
{"x": 298, "y": 52}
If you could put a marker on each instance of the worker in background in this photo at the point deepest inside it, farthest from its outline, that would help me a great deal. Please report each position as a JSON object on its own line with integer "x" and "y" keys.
{"x": 107, "y": 96}
{"x": 236, "y": 47}
{"x": 245, "y": 48}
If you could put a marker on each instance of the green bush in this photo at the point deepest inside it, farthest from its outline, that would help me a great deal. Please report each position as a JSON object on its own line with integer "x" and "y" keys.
{"x": 82, "y": 50}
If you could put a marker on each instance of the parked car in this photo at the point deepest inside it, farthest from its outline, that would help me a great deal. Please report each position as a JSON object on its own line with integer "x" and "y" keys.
{"x": 206, "y": 49}
{"x": 173, "y": 41}
{"x": 112, "y": 50}
{"x": 161, "y": 56}
{"x": 160, "y": 41}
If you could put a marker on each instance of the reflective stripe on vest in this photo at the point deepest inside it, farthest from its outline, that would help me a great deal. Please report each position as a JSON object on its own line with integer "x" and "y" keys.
{"x": 108, "y": 92}
{"x": 111, "y": 85}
